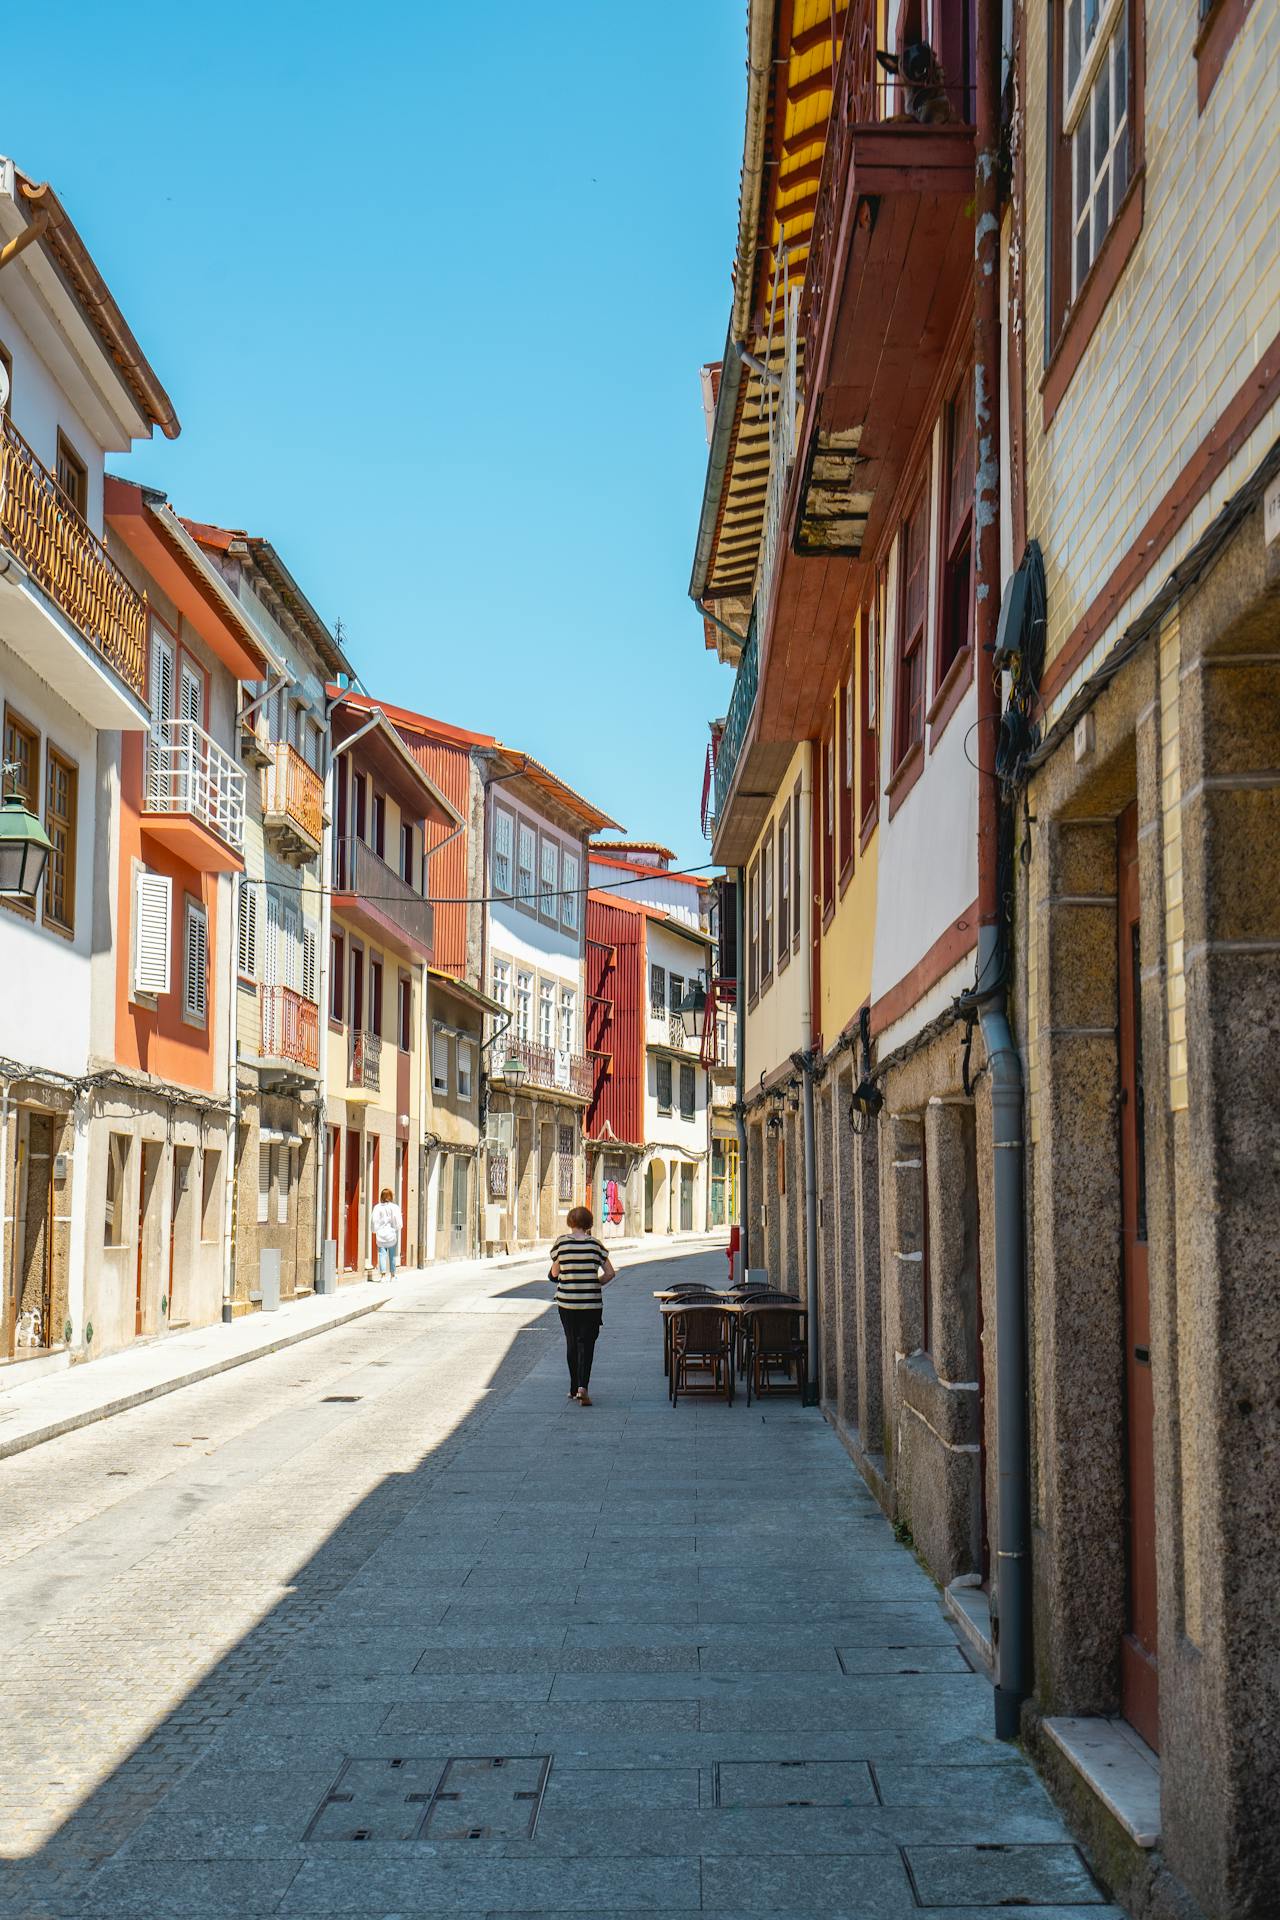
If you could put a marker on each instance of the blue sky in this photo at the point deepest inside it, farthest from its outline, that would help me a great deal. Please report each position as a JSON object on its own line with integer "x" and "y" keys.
{"x": 430, "y": 286}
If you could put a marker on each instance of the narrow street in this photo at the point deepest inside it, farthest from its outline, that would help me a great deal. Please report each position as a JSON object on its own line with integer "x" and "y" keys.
{"x": 256, "y": 1631}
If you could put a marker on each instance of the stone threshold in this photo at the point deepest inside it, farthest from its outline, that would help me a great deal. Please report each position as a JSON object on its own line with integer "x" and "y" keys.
{"x": 970, "y": 1609}
{"x": 1118, "y": 1766}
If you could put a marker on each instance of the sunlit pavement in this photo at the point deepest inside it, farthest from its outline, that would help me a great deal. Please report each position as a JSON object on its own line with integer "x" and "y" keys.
{"x": 264, "y": 1641}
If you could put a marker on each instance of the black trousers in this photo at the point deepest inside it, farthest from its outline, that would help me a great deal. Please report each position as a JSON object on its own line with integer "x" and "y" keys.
{"x": 581, "y": 1331}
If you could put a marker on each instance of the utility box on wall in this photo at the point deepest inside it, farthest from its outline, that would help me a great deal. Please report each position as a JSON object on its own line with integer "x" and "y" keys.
{"x": 269, "y": 1279}
{"x": 327, "y": 1272}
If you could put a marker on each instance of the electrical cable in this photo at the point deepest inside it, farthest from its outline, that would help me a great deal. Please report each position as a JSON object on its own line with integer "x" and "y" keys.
{"x": 480, "y": 899}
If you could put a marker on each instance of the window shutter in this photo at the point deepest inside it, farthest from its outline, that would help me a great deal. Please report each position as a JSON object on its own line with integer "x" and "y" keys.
{"x": 264, "y": 1184}
{"x": 271, "y": 958}
{"x": 192, "y": 697}
{"x": 310, "y": 987}
{"x": 440, "y": 1060}
{"x": 248, "y": 931}
{"x": 161, "y": 679}
{"x": 291, "y": 953}
{"x": 569, "y": 898}
{"x": 152, "y": 923}
{"x": 282, "y": 1191}
{"x": 195, "y": 962}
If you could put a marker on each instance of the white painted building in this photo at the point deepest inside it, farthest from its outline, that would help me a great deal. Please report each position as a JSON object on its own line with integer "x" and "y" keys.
{"x": 73, "y": 635}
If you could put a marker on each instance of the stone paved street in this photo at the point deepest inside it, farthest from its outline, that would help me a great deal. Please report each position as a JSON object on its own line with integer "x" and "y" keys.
{"x": 258, "y": 1635}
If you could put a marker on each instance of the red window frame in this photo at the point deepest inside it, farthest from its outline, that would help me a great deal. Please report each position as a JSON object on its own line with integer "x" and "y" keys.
{"x": 912, "y": 635}
{"x": 375, "y": 995}
{"x": 785, "y": 884}
{"x": 845, "y": 710}
{"x": 404, "y": 993}
{"x": 337, "y": 978}
{"x": 827, "y": 774}
{"x": 768, "y": 911}
{"x": 955, "y": 544}
{"x": 800, "y": 876}
{"x": 753, "y": 930}
{"x": 869, "y": 745}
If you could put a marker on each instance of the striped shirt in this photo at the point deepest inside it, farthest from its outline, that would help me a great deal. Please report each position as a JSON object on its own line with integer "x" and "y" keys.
{"x": 581, "y": 1259}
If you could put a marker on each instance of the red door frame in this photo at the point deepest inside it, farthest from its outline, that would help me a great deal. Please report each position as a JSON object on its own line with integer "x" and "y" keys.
{"x": 375, "y": 1187}
{"x": 351, "y": 1235}
{"x": 1139, "y": 1674}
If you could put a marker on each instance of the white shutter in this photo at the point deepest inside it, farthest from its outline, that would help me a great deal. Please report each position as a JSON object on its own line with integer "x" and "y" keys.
{"x": 569, "y": 899}
{"x": 310, "y": 978}
{"x": 248, "y": 930}
{"x": 191, "y": 702}
{"x": 440, "y": 1061}
{"x": 464, "y": 1069}
{"x": 550, "y": 874}
{"x": 282, "y": 1191}
{"x": 264, "y": 1185}
{"x": 152, "y": 921}
{"x": 161, "y": 708}
{"x": 195, "y": 962}
{"x": 271, "y": 956}
{"x": 291, "y": 949}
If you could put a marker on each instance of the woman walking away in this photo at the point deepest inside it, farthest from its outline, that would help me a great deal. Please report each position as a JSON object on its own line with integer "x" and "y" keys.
{"x": 388, "y": 1224}
{"x": 580, "y": 1267}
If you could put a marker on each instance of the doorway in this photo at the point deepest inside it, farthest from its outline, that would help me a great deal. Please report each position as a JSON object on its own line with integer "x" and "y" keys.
{"x": 402, "y": 1195}
{"x": 648, "y": 1198}
{"x": 351, "y": 1233}
{"x": 179, "y": 1225}
{"x": 522, "y": 1203}
{"x": 1139, "y": 1676}
{"x": 31, "y": 1326}
{"x": 373, "y": 1147}
{"x": 686, "y": 1198}
{"x": 151, "y": 1152}
{"x": 546, "y": 1181}
{"x": 458, "y": 1223}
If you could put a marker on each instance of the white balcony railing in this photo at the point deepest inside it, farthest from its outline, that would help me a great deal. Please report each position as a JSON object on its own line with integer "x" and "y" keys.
{"x": 188, "y": 772}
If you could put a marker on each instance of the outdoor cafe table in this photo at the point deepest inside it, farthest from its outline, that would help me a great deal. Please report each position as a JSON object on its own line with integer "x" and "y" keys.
{"x": 670, "y": 1303}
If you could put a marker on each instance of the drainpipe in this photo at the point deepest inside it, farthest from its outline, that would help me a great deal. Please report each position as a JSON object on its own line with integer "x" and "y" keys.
{"x": 230, "y": 1174}
{"x": 1011, "y": 1622}
{"x": 740, "y": 1072}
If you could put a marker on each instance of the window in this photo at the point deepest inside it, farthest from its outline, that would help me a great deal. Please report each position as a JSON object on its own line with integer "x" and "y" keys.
{"x": 827, "y": 764}
{"x": 360, "y": 788}
{"x": 439, "y": 1060}
{"x": 955, "y": 612}
{"x": 528, "y": 845}
{"x": 355, "y": 998}
{"x": 869, "y": 748}
{"x": 60, "y": 825}
{"x": 657, "y": 992}
{"x": 264, "y": 1183}
{"x": 375, "y": 996}
{"x": 677, "y": 995}
{"x": 844, "y": 798}
{"x": 406, "y": 853}
{"x": 22, "y": 756}
{"x": 337, "y": 975}
{"x": 546, "y": 1014}
{"x": 211, "y": 1194}
{"x": 464, "y": 1069}
{"x": 73, "y": 475}
{"x": 784, "y": 885}
{"x": 800, "y": 882}
{"x": 404, "y": 1012}
{"x": 569, "y": 895}
{"x": 568, "y": 1019}
{"x": 503, "y": 838}
{"x": 766, "y": 909}
{"x": 195, "y": 964}
{"x": 664, "y": 1085}
{"x": 547, "y": 902}
{"x": 524, "y": 1005}
{"x": 285, "y": 1161}
{"x": 113, "y": 1223}
{"x": 1095, "y": 121}
{"x": 753, "y": 930}
{"x": 442, "y": 1177}
{"x": 564, "y": 1155}
{"x": 152, "y": 920}
{"x": 912, "y": 598}
{"x": 688, "y": 1086}
{"x": 310, "y": 969}
{"x": 502, "y": 982}
{"x": 380, "y": 825}
{"x": 247, "y": 937}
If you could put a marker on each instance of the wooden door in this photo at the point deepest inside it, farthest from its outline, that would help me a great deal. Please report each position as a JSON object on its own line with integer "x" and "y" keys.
{"x": 402, "y": 1195}
{"x": 1138, "y": 1669}
{"x": 351, "y": 1235}
{"x": 151, "y": 1151}
{"x": 335, "y": 1186}
{"x": 375, "y": 1188}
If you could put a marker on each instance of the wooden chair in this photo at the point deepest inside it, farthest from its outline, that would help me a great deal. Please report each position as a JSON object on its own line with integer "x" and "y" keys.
{"x": 683, "y": 1290}
{"x": 775, "y": 1335}
{"x": 701, "y": 1344}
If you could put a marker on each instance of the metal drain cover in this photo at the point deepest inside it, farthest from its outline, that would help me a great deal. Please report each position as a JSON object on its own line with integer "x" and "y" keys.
{"x": 494, "y": 1799}
{"x": 376, "y": 1800}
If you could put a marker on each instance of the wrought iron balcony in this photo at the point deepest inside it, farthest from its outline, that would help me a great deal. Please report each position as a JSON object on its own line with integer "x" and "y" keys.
{"x": 547, "y": 1068}
{"x": 293, "y": 804}
{"x": 191, "y": 778}
{"x": 364, "y": 1061}
{"x": 738, "y": 717}
{"x": 65, "y": 559}
{"x": 290, "y": 1027}
{"x": 371, "y": 894}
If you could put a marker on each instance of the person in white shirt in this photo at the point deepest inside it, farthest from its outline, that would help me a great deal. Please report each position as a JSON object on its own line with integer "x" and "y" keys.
{"x": 388, "y": 1224}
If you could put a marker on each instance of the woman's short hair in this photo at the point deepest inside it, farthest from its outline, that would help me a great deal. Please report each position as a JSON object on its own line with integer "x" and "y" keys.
{"x": 581, "y": 1218}
{"x": 386, "y": 1194}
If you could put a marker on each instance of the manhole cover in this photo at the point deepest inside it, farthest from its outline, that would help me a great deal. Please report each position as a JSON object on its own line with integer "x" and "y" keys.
{"x": 376, "y": 1800}
{"x": 493, "y": 1799}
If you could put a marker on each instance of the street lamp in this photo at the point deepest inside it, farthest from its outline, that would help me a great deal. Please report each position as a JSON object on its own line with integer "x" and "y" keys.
{"x": 513, "y": 1070}
{"x": 24, "y": 849}
{"x": 693, "y": 1010}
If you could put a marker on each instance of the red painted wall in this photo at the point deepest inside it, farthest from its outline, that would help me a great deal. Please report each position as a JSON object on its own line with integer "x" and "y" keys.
{"x": 615, "y": 1020}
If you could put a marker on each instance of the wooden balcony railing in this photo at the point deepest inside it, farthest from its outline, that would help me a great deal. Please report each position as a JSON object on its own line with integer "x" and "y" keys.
{"x": 546, "y": 1067}
{"x": 290, "y": 1026}
{"x": 66, "y": 559}
{"x": 364, "y": 1061}
{"x": 293, "y": 793}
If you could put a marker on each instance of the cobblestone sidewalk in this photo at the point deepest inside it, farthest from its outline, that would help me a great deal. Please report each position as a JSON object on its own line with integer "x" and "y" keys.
{"x": 386, "y": 1626}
